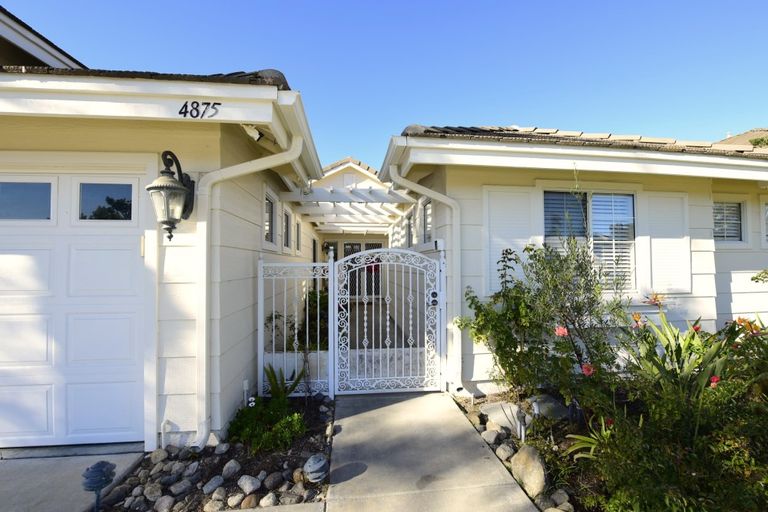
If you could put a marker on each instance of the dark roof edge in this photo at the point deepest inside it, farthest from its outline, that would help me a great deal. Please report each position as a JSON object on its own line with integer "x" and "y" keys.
{"x": 271, "y": 77}
{"x": 21, "y": 22}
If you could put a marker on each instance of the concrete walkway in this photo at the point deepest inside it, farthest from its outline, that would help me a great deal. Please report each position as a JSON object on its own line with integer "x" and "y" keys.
{"x": 53, "y": 484}
{"x": 414, "y": 452}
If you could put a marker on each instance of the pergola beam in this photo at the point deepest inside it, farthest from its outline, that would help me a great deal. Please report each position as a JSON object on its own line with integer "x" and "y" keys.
{"x": 355, "y": 195}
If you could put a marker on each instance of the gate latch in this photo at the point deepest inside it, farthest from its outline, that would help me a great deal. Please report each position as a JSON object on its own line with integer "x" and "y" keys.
{"x": 433, "y": 295}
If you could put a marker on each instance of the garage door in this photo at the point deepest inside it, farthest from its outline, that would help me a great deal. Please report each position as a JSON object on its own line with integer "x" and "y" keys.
{"x": 71, "y": 300}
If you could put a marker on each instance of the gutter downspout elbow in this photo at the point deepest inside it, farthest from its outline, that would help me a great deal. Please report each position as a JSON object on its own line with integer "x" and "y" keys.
{"x": 454, "y": 363}
{"x": 202, "y": 332}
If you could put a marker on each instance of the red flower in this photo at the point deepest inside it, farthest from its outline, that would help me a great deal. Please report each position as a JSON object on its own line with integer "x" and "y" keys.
{"x": 696, "y": 327}
{"x": 609, "y": 422}
{"x": 561, "y": 331}
{"x": 713, "y": 380}
{"x": 587, "y": 369}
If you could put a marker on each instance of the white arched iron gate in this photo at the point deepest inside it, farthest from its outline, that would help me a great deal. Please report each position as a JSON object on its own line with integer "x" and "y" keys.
{"x": 372, "y": 322}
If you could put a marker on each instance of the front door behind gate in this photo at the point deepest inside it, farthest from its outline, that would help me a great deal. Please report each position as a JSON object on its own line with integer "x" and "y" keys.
{"x": 389, "y": 304}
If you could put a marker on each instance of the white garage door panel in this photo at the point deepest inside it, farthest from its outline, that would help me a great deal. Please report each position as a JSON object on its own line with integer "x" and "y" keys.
{"x": 103, "y": 269}
{"x": 27, "y": 411}
{"x": 25, "y": 271}
{"x": 26, "y": 340}
{"x": 101, "y": 339}
{"x": 72, "y": 325}
{"x": 103, "y": 408}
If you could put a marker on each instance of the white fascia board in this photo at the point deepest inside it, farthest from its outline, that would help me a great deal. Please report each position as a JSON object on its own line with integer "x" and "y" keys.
{"x": 120, "y": 98}
{"x": 34, "y": 45}
{"x": 550, "y": 157}
{"x": 395, "y": 150}
{"x": 292, "y": 110}
{"x": 350, "y": 165}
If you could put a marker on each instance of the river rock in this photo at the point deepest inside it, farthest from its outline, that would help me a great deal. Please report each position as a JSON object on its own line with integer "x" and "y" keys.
{"x": 565, "y": 507}
{"x": 219, "y": 494}
{"x": 137, "y": 491}
{"x": 316, "y": 468}
{"x": 248, "y": 484}
{"x": 159, "y": 455}
{"x": 250, "y": 501}
{"x": 164, "y": 504}
{"x": 505, "y": 415}
{"x": 139, "y": 504}
{"x": 213, "y": 506}
{"x": 549, "y": 407}
{"x": 116, "y": 495}
{"x": 191, "y": 468}
{"x": 262, "y": 475}
{"x": 235, "y": 500}
{"x": 528, "y": 469}
{"x": 505, "y": 452}
{"x": 289, "y": 498}
{"x": 221, "y": 448}
{"x": 491, "y": 436}
{"x": 273, "y": 481}
{"x": 213, "y": 484}
{"x": 182, "y": 487}
{"x": 153, "y": 491}
{"x": 231, "y": 468}
{"x": 270, "y": 500}
{"x": 559, "y": 497}
{"x": 544, "y": 502}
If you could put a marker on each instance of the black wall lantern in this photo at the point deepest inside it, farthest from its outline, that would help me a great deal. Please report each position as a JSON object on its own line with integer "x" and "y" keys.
{"x": 173, "y": 198}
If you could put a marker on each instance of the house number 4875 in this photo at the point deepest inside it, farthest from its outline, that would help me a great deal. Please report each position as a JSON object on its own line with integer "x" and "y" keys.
{"x": 199, "y": 109}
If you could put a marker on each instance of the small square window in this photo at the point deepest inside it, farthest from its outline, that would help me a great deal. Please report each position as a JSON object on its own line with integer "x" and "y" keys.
{"x": 25, "y": 201}
{"x": 727, "y": 221}
{"x": 106, "y": 201}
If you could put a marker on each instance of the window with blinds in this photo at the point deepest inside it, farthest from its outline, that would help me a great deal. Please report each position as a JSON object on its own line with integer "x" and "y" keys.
{"x": 609, "y": 219}
{"x": 727, "y": 219}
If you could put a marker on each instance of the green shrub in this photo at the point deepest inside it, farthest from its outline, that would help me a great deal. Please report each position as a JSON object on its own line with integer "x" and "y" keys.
{"x": 266, "y": 426}
{"x": 552, "y": 326}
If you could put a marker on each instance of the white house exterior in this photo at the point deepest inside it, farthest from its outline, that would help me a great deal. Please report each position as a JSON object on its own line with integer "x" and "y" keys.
{"x": 697, "y": 213}
{"x": 109, "y": 332}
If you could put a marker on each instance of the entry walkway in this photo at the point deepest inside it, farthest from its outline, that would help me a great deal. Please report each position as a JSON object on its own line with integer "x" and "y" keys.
{"x": 414, "y": 452}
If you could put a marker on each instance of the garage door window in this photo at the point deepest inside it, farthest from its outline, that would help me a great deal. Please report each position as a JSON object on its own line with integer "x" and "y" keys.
{"x": 106, "y": 201}
{"x": 25, "y": 201}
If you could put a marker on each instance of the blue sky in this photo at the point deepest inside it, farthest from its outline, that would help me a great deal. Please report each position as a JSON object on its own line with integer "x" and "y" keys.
{"x": 692, "y": 70}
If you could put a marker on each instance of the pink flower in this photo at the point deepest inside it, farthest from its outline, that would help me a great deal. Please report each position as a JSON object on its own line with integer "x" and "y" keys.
{"x": 696, "y": 327}
{"x": 609, "y": 422}
{"x": 713, "y": 380}
{"x": 561, "y": 331}
{"x": 587, "y": 369}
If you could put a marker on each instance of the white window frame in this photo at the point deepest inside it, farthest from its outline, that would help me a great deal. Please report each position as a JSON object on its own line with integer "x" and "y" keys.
{"x": 270, "y": 245}
{"x": 763, "y": 221}
{"x": 426, "y": 230}
{"x": 742, "y": 199}
{"x": 640, "y": 277}
{"x": 286, "y": 246}
{"x": 54, "y": 204}
{"x": 74, "y": 213}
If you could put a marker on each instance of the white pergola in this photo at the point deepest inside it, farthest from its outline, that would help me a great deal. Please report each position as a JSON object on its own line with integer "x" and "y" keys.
{"x": 349, "y": 210}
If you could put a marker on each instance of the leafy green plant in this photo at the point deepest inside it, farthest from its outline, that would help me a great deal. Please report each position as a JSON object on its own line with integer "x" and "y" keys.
{"x": 280, "y": 388}
{"x": 266, "y": 426}
{"x": 585, "y": 447}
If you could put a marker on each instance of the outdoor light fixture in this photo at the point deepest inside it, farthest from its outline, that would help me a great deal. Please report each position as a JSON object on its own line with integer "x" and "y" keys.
{"x": 173, "y": 198}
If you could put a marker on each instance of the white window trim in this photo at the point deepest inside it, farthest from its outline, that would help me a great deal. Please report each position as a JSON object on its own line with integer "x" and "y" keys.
{"x": 424, "y": 231}
{"x": 763, "y": 216}
{"x": 289, "y": 248}
{"x": 745, "y": 241}
{"x": 266, "y": 244}
{"x": 54, "y": 204}
{"x": 74, "y": 214}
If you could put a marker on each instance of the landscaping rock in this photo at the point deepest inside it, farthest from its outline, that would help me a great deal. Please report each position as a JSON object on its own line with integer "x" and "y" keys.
{"x": 250, "y": 501}
{"x": 219, "y": 494}
{"x": 559, "y": 497}
{"x": 248, "y": 484}
{"x": 474, "y": 418}
{"x": 549, "y": 407}
{"x": 528, "y": 469}
{"x": 159, "y": 455}
{"x": 316, "y": 468}
{"x": 180, "y": 488}
{"x": 153, "y": 492}
{"x": 491, "y": 436}
{"x": 137, "y": 491}
{"x": 139, "y": 504}
{"x": 297, "y": 475}
{"x": 235, "y": 500}
{"x": 273, "y": 481}
{"x": 543, "y": 502}
{"x": 480, "y": 428}
{"x": 143, "y": 476}
{"x": 505, "y": 452}
{"x": 116, "y": 495}
{"x": 221, "y": 448}
{"x": 291, "y": 499}
{"x": 185, "y": 453}
{"x": 309, "y": 495}
{"x": 164, "y": 504}
{"x": 173, "y": 451}
{"x": 270, "y": 500}
{"x": 169, "y": 480}
{"x": 213, "y": 506}
{"x": 231, "y": 468}
{"x": 177, "y": 468}
{"x": 284, "y": 487}
{"x": 505, "y": 415}
{"x": 298, "y": 489}
{"x": 157, "y": 468}
{"x": 287, "y": 475}
{"x": 191, "y": 468}
{"x": 213, "y": 484}
{"x": 565, "y": 507}
{"x": 127, "y": 502}
{"x": 167, "y": 466}
{"x": 262, "y": 475}
{"x": 552, "y": 509}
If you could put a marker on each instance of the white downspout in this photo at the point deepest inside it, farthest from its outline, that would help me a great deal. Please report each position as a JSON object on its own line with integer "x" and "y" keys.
{"x": 202, "y": 333}
{"x": 454, "y": 362}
